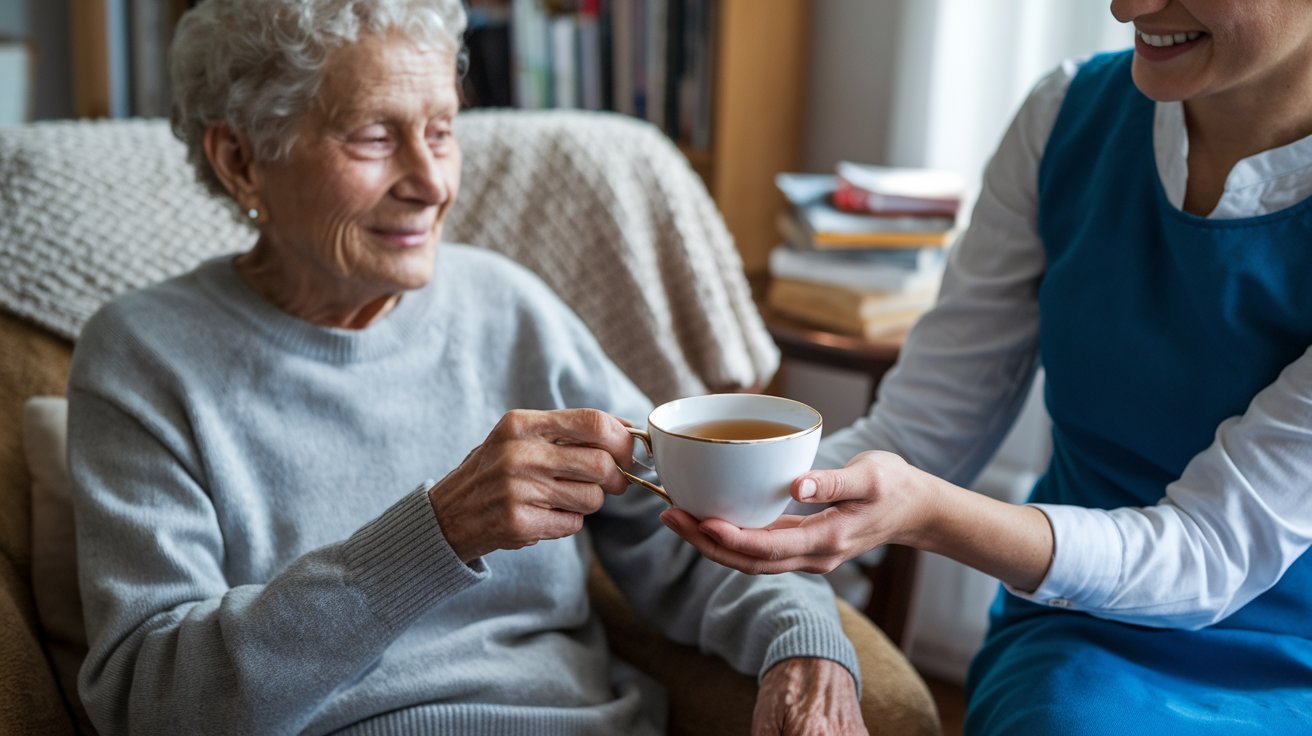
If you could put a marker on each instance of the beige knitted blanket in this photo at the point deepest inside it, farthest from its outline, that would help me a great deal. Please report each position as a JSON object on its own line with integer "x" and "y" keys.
{"x": 603, "y": 207}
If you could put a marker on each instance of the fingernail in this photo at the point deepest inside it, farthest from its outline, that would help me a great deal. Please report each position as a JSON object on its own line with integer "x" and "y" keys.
{"x": 807, "y": 489}
{"x": 714, "y": 535}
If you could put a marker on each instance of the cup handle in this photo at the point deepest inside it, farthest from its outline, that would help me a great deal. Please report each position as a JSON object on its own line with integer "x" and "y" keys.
{"x": 646, "y": 442}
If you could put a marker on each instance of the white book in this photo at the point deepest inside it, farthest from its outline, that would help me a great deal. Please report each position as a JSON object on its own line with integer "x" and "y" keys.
{"x": 887, "y": 271}
{"x": 901, "y": 181}
{"x": 564, "y": 60}
{"x": 528, "y": 27}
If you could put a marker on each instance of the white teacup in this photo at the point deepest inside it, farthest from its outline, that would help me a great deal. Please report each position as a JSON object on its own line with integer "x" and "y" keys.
{"x": 730, "y": 456}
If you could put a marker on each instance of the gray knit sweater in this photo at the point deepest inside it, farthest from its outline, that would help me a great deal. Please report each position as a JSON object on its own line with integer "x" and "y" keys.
{"x": 257, "y": 553}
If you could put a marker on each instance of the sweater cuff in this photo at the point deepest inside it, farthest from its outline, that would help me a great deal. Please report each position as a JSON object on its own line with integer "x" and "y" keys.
{"x": 403, "y": 564}
{"x": 815, "y": 636}
{"x": 1086, "y": 561}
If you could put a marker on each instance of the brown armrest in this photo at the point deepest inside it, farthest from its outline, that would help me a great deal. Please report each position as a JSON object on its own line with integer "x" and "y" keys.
{"x": 30, "y": 702}
{"x": 708, "y": 697}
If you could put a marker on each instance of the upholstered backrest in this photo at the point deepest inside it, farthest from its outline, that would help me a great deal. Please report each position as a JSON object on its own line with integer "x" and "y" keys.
{"x": 603, "y": 207}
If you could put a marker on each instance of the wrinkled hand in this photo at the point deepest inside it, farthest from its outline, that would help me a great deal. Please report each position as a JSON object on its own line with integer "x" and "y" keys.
{"x": 535, "y": 477}
{"x": 807, "y": 696}
{"x": 877, "y": 499}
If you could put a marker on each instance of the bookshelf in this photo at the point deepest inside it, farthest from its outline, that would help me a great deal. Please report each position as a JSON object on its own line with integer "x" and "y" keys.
{"x": 759, "y": 57}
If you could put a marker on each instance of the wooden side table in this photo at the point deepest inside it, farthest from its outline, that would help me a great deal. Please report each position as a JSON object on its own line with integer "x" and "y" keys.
{"x": 893, "y": 578}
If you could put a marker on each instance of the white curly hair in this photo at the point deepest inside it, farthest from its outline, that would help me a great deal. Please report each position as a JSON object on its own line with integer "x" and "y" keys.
{"x": 257, "y": 64}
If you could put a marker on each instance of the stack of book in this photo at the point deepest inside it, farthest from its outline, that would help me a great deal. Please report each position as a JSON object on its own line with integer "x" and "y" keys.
{"x": 863, "y": 249}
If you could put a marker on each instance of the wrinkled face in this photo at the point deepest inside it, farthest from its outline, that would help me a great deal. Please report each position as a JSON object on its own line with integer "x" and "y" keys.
{"x": 1186, "y": 49}
{"x": 358, "y": 205}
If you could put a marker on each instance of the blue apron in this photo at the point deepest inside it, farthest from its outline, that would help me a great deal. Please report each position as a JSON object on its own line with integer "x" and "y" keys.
{"x": 1155, "y": 326}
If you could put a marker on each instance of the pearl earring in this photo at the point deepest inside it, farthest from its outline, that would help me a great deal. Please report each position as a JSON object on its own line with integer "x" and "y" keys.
{"x": 256, "y": 216}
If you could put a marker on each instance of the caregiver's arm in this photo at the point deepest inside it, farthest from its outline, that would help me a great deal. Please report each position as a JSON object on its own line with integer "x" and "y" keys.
{"x": 1224, "y": 533}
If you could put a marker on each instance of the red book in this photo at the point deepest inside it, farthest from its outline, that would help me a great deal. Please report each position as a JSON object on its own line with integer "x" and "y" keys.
{"x": 892, "y": 191}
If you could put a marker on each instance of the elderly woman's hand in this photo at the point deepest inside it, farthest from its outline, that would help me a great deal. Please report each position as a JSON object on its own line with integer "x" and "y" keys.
{"x": 806, "y": 695}
{"x": 535, "y": 477}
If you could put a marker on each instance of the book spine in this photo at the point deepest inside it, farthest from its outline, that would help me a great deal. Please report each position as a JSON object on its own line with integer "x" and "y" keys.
{"x": 590, "y": 60}
{"x": 120, "y": 58}
{"x": 657, "y": 58}
{"x": 151, "y": 29}
{"x": 622, "y": 52}
{"x": 881, "y": 240}
{"x": 842, "y": 310}
{"x": 532, "y": 54}
{"x": 564, "y": 55}
{"x": 849, "y": 198}
{"x": 638, "y": 59}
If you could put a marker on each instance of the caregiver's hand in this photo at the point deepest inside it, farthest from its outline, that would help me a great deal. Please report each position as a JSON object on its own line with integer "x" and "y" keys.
{"x": 877, "y": 499}
{"x": 880, "y": 499}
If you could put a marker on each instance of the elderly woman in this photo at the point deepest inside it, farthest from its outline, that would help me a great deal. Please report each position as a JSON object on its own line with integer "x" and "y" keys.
{"x": 260, "y": 549}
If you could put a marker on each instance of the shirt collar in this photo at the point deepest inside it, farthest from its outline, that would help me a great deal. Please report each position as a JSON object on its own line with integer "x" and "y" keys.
{"x": 1260, "y": 184}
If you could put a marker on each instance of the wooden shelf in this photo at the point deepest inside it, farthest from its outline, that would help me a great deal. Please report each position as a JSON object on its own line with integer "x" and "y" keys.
{"x": 761, "y": 63}
{"x": 89, "y": 27}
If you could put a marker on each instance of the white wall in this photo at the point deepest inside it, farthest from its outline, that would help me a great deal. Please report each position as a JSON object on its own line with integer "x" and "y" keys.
{"x": 852, "y": 72}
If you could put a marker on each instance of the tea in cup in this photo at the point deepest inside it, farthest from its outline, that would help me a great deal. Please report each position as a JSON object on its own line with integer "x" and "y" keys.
{"x": 729, "y": 456}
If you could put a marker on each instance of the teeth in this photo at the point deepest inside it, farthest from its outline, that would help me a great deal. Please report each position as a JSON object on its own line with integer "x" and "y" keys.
{"x": 1170, "y": 39}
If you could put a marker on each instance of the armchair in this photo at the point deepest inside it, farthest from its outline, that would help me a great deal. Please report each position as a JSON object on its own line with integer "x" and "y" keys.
{"x": 603, "y": 207}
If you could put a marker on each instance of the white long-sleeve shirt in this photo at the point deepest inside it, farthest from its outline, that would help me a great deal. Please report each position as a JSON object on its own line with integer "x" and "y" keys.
{"x": 1238, "y": 516}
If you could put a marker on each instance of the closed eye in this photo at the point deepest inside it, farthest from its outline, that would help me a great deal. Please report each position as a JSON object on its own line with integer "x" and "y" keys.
{"x": 370, "y": 134}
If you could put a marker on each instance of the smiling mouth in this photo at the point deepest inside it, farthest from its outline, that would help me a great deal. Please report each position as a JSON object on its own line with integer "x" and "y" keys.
{"x": 403, "y": 237}
{"x": 1170, "y": 39}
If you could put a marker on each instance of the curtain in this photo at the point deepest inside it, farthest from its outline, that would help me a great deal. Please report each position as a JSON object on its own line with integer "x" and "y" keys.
{"x": 964, "y": 67}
